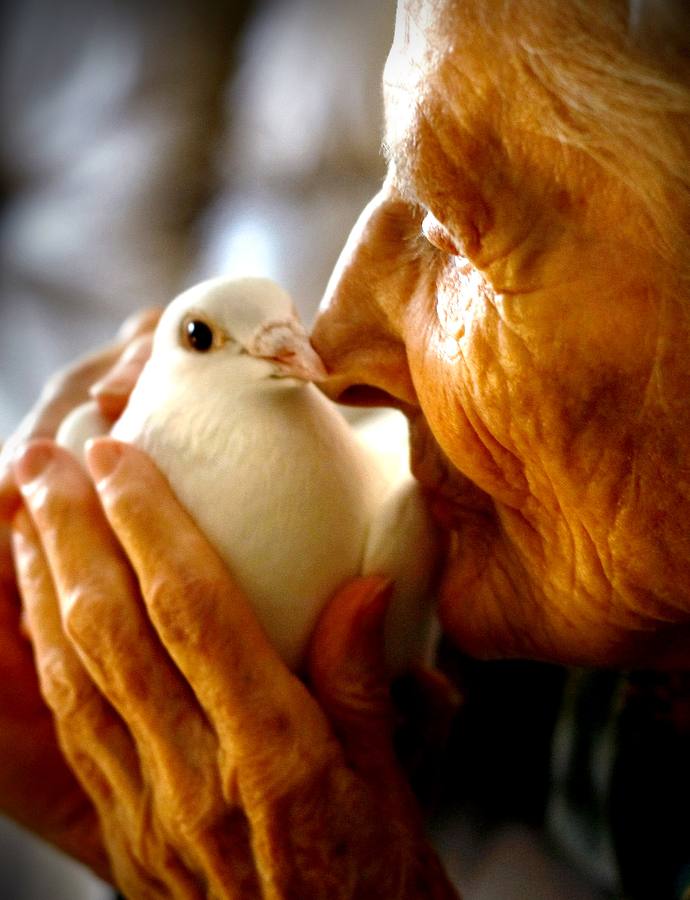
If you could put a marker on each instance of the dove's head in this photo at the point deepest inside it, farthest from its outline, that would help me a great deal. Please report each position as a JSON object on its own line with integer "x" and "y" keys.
{"x": 248, "y": 324}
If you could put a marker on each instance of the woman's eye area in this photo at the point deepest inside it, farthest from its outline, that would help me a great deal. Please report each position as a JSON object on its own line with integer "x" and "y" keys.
{"x": 439, "y": 236}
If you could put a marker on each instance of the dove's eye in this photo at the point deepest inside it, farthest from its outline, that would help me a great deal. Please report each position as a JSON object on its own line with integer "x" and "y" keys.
{"x": 198, "y": 335}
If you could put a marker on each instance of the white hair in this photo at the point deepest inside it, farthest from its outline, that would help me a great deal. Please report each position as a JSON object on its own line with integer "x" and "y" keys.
{"x": 614, "y": 80}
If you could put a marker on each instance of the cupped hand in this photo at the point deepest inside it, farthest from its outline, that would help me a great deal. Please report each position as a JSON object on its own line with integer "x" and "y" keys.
{"x": 214, "y": 771}
{"x": 37, "y": 788}
{"x": 107, "y": 376}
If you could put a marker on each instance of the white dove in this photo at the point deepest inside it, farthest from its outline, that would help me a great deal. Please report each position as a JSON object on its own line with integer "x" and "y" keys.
{"x": 293, "y": 501}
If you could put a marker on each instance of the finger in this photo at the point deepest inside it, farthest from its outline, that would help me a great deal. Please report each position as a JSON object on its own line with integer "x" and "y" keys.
{"x": 19, "y": 693}
{"x": 143, "y": 321}
{"x": 202, "y": 616}
{"x": 37, "y": 788}
{"x": 83, "y": 717}
{"x": 101, "y": 612}
{"x": 97, "y": 603}
{"x": 113, "y": 390}
{"x": 93, "y": 739}
{"x": 60, "y": 395}
{"x": 348, "y": 672}
{"x": 350, "y": 679}
{"x": 67, "y": 389}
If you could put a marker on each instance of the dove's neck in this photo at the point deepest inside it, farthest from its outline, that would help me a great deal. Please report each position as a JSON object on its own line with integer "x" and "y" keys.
{"x": 274, "y": 392}
{"x": 197, "y": 414}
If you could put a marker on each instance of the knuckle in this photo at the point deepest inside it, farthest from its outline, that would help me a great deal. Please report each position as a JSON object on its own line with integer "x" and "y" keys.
{"x": 106, "y": 641}
{"x": 64, "y": 687}
{"x": 90, "y": 773}
{"x": 60, "y": 495}
{"x": 84, "y": 608}
{"x": 176, "y": 601}
{"x": 190, "y": 804}
{"x": 48, "y": 504}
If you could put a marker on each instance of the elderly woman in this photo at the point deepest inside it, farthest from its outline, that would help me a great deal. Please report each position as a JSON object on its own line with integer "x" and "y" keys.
{"x": 519, "y": 288}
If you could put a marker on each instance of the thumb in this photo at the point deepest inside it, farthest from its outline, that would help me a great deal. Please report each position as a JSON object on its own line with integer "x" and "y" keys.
{"x": 348, "y": 672}
{"x": 112, "y": 391}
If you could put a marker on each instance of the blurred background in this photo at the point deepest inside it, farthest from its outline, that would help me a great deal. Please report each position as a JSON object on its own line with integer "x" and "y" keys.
{"x": 145, "y": 146}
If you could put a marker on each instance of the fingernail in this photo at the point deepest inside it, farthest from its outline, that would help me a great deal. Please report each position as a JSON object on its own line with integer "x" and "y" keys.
{"x": 31, "y": 462}
{"x": 102, "y": 457}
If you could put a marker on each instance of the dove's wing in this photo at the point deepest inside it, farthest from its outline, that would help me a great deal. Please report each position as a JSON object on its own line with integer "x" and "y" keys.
{"x": 403, "y": 544}
{"x": 384, "y": 434}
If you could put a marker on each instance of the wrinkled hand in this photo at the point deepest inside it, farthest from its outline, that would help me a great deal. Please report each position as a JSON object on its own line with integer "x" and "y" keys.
{"x": 37, "y": 788}
{"x": 213, "y": 770}
{"x": 107, "y": 376}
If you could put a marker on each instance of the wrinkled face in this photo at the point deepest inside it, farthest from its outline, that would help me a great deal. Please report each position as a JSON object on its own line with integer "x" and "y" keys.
{"x": 501, "y": 289}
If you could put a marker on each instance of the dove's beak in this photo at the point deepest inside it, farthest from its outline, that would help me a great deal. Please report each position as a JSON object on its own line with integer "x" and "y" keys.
{"x": 286, "y": 345}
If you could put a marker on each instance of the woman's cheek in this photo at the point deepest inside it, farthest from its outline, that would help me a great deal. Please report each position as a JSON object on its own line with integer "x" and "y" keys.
{"x": 460, "y": 412}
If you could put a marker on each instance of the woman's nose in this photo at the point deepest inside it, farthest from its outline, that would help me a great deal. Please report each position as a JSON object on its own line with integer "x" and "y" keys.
{"x": 358, "y": 331}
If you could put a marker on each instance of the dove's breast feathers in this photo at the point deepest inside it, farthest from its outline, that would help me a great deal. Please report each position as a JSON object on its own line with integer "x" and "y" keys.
{"x": 275, "y": 479}
{"x": 291, "y": 498}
